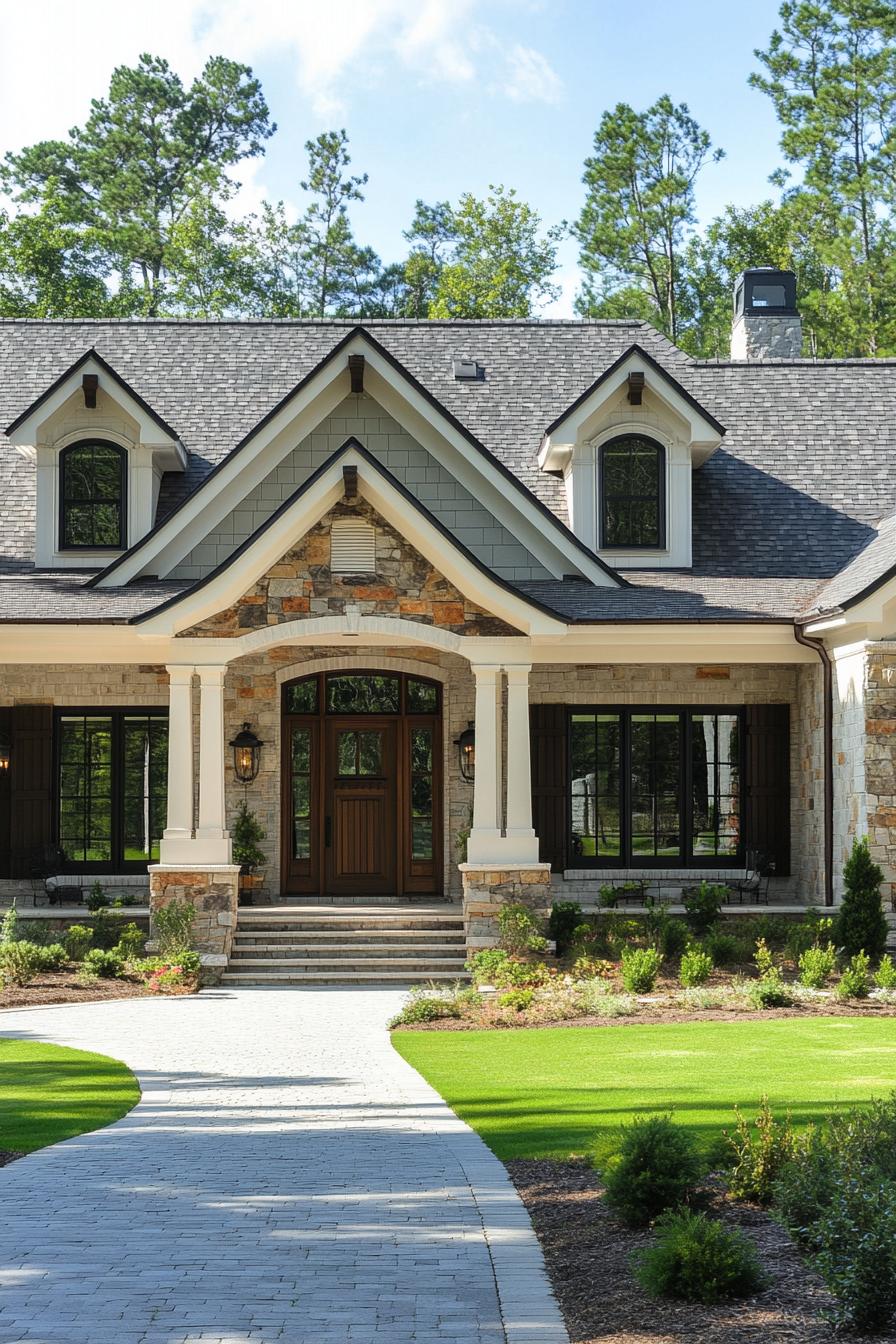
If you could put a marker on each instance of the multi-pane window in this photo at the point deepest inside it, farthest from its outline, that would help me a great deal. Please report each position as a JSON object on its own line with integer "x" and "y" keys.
{"x": 654, "y": 787}
{"x": 632, "y": 479}
{"x": 112, "y": 773}
{"x": 300, "y": 769}
{"x": 92, "y": 513}
{"x": 421, "y": 792}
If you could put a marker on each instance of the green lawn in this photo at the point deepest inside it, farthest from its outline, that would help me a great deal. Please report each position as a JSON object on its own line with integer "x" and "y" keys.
{"x": 48, "y": 1093}
{"x": 555, "y": 1091}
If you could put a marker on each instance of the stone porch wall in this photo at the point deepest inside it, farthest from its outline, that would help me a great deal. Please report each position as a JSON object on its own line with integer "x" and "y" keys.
{"x": 487, "y": 889}
{"x": 213, "y": 891}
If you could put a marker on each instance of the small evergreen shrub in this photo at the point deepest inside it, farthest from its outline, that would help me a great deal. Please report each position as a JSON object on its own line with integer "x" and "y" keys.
{"x": 517, "y": 927}
{"x": 592, "y": 968}
{"x": 855, "y": 982}
{"x": 246, "y": 834}
{"x": 761, "y": 1152}
{"x": 520, "y": 975}
{"x": 703, "y": 906}
{"x": 698, "y": 1259}
{"x": 565, "y": 919}
{"x": 172, "y": 927}
{"x": 808, "y": 932}
{"x": 640, "y": 968}
{"x": 769, "y": 991}
{"x": 674, "y": 938}
{"x": 19, "y": 962}
{"x": 101, "y": 964}
{"x": 9, "y": 926}
{"x": 817, "y": 965}
{"x": 97, "y": 898}
{"x": 50, "y": 958}
{"x": 425, "y": 1010}
{"x": 861, "y": 925}
{"x": 517, "y": 999}
{"x": 655, "y": 1169}
{"x": 105, "y": 929}
{"x": 696, "y": 967}
{"x": 726, "y": 949}
{"x": 131, "y": 942}
{"x": 885, "y": 975}
{"x": 77, "y": 940}
{"x": 774, "y": 930}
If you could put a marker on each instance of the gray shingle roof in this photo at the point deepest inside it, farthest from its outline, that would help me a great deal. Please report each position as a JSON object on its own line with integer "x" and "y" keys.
{"x": 804, "y": 473}
{"x": 675, "y": 596}
{"x": 870, "y": 568}
{"x": 45, "y": 596}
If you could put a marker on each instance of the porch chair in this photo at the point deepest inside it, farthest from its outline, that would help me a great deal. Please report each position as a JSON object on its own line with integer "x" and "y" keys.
{"x": 44, "y": 869}
{"x": 753, "y": 887}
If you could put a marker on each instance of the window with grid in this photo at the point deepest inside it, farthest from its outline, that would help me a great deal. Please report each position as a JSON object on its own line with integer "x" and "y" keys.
{"x": 632, "y": 493}
{"x": 92, "y": 495}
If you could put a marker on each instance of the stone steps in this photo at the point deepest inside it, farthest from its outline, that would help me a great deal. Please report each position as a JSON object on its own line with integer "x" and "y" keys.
{"x": 347, "y": 944}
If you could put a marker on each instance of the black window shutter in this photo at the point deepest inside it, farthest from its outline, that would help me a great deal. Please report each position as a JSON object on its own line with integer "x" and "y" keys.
{"x": 549, "y": 783}
{"x": 5, "y": 856}
{"x": 31, "y": 791}
{"x": 767, "y": 828}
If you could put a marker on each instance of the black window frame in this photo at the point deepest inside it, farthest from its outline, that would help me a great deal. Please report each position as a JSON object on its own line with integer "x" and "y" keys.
{"x": 122, "y": 501}
{"x": 117, "y": 714}
{"x": 660, "y": 544}
{"x": 322, "y": 710}
{"x": 687, "y": 859}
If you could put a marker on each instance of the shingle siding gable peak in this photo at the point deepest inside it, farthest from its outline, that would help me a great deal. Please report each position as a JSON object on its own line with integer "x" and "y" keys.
{"x": 350, "y": 445}
{"x": 641, "y": 353}
{"x": 91, "y": 356}
{"x": 356, "y": 332}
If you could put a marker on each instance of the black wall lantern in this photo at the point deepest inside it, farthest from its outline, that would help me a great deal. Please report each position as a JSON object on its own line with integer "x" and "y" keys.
{"x": 246, "y": 755}
{"x": 466, "y": 752}
{"x": 5, "y": 753}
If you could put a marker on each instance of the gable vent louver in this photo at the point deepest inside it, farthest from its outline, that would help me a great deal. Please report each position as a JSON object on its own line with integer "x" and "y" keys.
{"x": 352, "y": 547}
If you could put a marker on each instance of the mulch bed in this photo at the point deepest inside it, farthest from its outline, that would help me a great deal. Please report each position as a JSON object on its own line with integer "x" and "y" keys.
{"x": 65, "y": 987}
{"x": 649, "y": 1015}
{"x": 7, "y": 1155}
{"x": 587, "y": 1253}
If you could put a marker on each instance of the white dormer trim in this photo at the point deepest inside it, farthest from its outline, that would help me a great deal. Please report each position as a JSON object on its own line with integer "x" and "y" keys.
{"x": 61, "y": 419}
{"x": 667, "y": 415}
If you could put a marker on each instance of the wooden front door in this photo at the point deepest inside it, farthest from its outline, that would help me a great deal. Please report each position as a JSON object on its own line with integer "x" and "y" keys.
{"x": 361, "y": 851}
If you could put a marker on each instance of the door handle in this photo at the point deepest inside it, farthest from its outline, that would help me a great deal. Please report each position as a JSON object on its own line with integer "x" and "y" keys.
{"x": 328, "y": 832}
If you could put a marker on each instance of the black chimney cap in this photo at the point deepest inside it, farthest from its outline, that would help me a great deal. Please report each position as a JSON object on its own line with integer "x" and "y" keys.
{"x": 765, "y": 290}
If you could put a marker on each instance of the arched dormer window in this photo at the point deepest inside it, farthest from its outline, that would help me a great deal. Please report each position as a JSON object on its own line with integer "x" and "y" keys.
{"x": 632, "y": 494}
{"x": 93, "y": 496}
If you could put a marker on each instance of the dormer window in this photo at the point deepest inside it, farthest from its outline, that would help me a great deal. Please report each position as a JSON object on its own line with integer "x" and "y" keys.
{"x": 92, "y": 496}
{"x": 632, "y": 493}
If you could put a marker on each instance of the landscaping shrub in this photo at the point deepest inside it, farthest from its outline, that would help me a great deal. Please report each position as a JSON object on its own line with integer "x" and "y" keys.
{"x": 50, "y": 958}
{"x": 885, "y": 976}
{"x": 172, "y": 927}
{"x": 425, "y": 1010}
{"x": 97, "y": 898}
{"x": 518, "y": 999}
{"x": 703, "y": 905}
{"x": 102, "y": 964}
{"x": 640, "y": 968}
{"x": 726, "y": 949}
{"x": 520, "y": 974}
{"x": 594, "y": 998}
{"x": 564, "y": 921}
{"x": 774, "y": 930}
{"x": 861, "y": 924}
{"x": 131, "y": 942}
{"x": 855, "y": 982}
{"x": 761, "y": 1152}
{"x": 77, "y": 940}
{"x": 105, "y": 929}
{"x": 856, "y": 1255}
{"x": 19, "y": 962}
{"x": 769, "y": 991}
{"x": 590, "y": 968}
{"x": 517, "y": 927}
{"x": 698, "y": 1259}
{"x": 808, "y": 932}
{"x": 176, "y": 975}
{"x": 696, "y": 967}
{"x": 655, "y": 1169}
{"x": 484, "y": 964}
{"x": 674, "y": 938}
{"x": 9, "y": 926}
{"x": 817, "y": 965}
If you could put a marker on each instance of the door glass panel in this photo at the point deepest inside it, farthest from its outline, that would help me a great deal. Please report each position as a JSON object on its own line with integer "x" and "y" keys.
{"x": 145, "y": 785}
{"x": 347, "y": 754}
{"x": 359, "y": 753}
{"x": 595, "y": 808}
{"x": 301, "y": 793}
{"x": 422, "y": 696}
{"x": 715, "y": 773}
{"x": 363, "y": 694}
{"x": 301, "y": 697}
{"x": 421, "y": 793}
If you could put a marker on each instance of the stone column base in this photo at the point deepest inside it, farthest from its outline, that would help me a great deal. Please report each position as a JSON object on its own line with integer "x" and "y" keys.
{"x": 213, "y": 889}
{"x": 489, "y": 886}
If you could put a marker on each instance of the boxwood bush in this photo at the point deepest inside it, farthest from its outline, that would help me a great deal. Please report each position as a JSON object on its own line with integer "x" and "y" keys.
{"x": 656, "y": 1168}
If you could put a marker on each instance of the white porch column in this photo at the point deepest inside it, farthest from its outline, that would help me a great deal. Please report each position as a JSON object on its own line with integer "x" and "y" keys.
{"x": 211, "y": 830}
{"x": 521, "y": 842}
{"x": 179, "y": 829}
{"x": 485, "y": 836}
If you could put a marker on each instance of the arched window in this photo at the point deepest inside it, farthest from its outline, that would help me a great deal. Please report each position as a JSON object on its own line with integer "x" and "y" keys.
{"x": 93, "y": 496}
{"x": 632, "y": 493}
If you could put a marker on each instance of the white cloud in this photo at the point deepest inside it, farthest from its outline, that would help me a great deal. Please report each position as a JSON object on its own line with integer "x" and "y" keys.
{"x": 530, "y": 77}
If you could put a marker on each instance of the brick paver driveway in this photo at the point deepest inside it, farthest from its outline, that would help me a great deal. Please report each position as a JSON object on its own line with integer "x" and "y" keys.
{"x": 286, "y": 1176}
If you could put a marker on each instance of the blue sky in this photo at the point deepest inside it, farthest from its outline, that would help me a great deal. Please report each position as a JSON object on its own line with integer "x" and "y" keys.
{"x": 438, "y": 96}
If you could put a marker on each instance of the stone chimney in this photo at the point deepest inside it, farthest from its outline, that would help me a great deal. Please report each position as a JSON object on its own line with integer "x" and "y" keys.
{"x": 766, "y": 322}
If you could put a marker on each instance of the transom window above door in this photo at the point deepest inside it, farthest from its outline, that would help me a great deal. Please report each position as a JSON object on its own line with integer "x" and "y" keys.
{"x": 362, "y": 693}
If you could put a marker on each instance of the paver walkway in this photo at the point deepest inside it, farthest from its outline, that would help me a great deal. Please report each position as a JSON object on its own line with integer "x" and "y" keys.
{"x": 286, "y": 1176}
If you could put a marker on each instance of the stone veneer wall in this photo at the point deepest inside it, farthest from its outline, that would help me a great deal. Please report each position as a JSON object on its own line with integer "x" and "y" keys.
{"x": 880, "y": 760}
{"x": 486, "y": 890}
{"x": 214, "y": 892}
